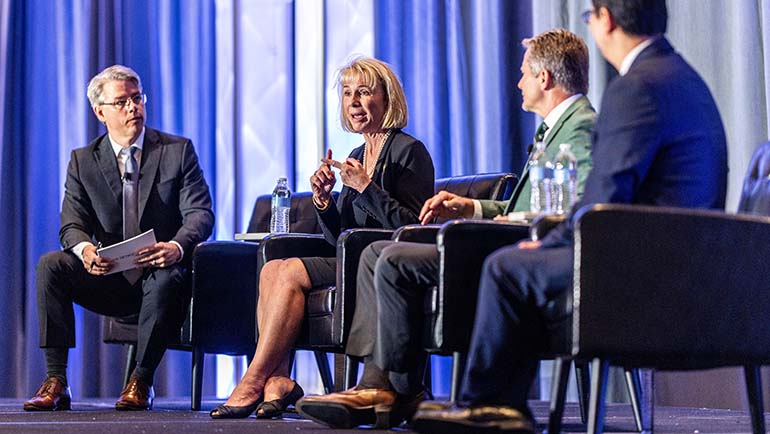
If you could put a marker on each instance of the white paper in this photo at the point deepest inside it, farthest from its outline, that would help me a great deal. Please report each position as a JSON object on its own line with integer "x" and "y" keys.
{"x": 123, "y": 254}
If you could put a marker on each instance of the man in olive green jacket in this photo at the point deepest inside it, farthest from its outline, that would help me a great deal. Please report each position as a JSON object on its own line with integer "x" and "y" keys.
{"x": 387, "y": 324}
{"x": 554, "y": 81}
{"x": 574, "y": 126}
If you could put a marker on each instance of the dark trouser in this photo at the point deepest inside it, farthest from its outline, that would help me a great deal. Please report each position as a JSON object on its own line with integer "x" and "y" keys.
{"x": 160, "y": 298}
{"x": 388, "y": 321}
{"x": 510, "y": 324}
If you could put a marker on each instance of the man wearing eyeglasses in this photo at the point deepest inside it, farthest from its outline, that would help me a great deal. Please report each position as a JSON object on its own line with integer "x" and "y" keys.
{"x": 125, "y": 182}
{"x": 658, "y": 141}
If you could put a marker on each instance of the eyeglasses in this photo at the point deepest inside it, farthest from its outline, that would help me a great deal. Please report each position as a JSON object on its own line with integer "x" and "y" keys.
{"x": 122, "y": 103}
{"x": 586, "y": 15}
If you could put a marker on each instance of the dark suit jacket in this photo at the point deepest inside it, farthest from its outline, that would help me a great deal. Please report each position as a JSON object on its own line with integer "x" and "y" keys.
{"x": 658, "y": 140}
{"x": 174, "y": 198}
{"x": 403, "y": 180}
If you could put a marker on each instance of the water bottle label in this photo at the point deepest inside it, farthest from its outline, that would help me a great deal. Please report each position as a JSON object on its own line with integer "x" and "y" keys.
{"x": 536, "y": 173}
{"x": 560, "y": 176}
{"x": 281, "y": 201}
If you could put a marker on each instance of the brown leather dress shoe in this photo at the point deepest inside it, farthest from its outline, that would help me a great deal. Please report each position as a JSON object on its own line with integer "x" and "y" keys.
{"x": 382, "y": 408}
{"x": 431, "y": 418}
{"x": 348, "y": 409}
{"x": 52, "y": 395}
{"x": 136, "y": 396}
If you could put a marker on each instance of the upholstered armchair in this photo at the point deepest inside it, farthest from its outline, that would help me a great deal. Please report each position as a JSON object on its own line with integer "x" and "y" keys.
{"x": 450, "y": 306}
{"x": 673, "y": 289}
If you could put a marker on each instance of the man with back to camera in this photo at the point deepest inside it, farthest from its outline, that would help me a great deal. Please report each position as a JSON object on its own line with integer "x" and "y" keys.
{"x": 554, "y": 79}
{"x": 659, "y": 141}
{"x": 125, "y": 182}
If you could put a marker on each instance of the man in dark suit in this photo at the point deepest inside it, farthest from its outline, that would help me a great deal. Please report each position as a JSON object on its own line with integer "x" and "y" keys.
{"x": 659, "y": 140}
{"x": 125, "y": 182}
{"x": 393, "y": 276}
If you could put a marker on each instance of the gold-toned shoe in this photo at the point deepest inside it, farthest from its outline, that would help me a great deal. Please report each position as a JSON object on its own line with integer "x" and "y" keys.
{"x": 347, "y": 409}
{"x": 137, "y": 395}
{"x": 485, "y": 419}
{"x": 52, "y": 395}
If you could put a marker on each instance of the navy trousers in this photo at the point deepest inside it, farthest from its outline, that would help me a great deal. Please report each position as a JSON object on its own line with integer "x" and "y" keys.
{"x": 510, "y": 324}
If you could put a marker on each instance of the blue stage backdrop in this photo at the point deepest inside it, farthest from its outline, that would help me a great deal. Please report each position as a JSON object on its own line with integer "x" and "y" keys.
{"x": 251, "y": 83}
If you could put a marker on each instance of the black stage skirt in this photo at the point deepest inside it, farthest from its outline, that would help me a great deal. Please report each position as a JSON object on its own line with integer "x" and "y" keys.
{"x": 322, "y": 271}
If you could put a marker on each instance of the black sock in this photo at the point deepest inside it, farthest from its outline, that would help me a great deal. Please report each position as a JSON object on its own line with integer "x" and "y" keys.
{"x": 145, "y": 375}
{"x": 56, "y": 362}
{"x": 373, "y": 377}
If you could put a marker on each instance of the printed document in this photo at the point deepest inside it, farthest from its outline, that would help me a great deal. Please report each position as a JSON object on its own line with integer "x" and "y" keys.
{"x": 123, "y": 254}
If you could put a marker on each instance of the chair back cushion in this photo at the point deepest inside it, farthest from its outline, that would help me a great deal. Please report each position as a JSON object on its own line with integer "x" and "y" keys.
{"x": 494, "y": 186}
{"x": 302, "y": 216}
{"x": 755, "y": 197}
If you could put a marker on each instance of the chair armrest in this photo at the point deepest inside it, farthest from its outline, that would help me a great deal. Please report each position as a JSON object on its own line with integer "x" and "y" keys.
{"x": 293, "y": 245}
{"x": 350, "y": 245}
{"x": 671, "y": 287}
{"x": 417, "y": 233}
{"x": 224, "y": 275}
{"x": 463, "y": 245}
{"x": 544, "y": 224}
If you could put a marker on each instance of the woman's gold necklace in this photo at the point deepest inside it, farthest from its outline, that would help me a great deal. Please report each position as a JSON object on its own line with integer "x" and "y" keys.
{"x": 370, "y": 170}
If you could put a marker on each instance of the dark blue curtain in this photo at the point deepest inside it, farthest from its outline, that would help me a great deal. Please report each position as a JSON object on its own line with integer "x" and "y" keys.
{"x": 54, "y": 49}
{"x": 459, "y": 61}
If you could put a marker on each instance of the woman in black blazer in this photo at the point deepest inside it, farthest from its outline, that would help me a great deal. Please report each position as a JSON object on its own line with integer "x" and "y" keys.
{"x": 386, "y": 181}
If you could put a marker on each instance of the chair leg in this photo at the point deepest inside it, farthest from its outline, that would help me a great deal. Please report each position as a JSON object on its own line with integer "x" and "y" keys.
{"x": 599, "y": 370}
{"x": 558, "y": 394}
{"x": 634, "y": 387}
{"x": 292, "y": 358}
{"x": 647, "y": 402}
{"x": 323, "y": 368}
{"x": 427, "y": 376}
{"x": 197, "y": 379}
{"x": 639, "y": 383}
{"x": 130, "y": 363}
{"x": 583, "y": 389}
{"x": 350, "y": 372}
{"x": 754, "y": 389}
{"x": 458, "y": 366}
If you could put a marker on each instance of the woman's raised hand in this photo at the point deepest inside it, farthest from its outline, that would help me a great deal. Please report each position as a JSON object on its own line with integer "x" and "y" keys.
{"x": 352, "y": 173}
{"x": 322, "y": 182}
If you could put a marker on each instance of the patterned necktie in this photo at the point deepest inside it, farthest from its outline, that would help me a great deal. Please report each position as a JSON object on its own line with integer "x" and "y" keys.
{"x": 540, "y": 133}
{"x": 131, "y": 206}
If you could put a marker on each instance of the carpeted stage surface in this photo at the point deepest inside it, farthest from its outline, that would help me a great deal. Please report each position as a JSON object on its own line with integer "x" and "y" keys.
{"x": 173, "y": 416}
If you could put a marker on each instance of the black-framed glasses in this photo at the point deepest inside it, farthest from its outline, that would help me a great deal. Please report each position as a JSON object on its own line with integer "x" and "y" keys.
{"x": 122, "y": 103}
{"x": 586, "y": 15}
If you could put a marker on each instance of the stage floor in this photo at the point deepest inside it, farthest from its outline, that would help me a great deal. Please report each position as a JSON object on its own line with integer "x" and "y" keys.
{"x": 173, "y": 416}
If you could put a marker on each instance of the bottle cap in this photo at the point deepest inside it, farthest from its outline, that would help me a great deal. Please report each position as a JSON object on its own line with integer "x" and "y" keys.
{"x": 565, "y": 147}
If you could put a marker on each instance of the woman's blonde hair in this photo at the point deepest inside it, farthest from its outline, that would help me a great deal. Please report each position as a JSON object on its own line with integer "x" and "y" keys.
{"x": 375, "y": 74}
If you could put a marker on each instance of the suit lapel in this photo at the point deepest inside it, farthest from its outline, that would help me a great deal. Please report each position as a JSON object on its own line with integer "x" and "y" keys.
{"x": 108, "y": 164}
{"x": 151, "y": 153}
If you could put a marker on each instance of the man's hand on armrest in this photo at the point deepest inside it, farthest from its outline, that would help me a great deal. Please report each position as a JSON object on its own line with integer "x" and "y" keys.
{"x": 447, "y": 205}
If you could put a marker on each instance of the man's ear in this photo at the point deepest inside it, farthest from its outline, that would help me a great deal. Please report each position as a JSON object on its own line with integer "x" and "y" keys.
{"x": 606, "y": 20}
{"x": 545, "y": 79}
{"x": 99, "y": 112}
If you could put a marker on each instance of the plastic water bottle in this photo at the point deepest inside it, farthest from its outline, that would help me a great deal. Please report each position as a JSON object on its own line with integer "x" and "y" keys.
{"x": 564, "y": 179}
{"x": 280, "y": 206}
{"x": 540, "y": 176}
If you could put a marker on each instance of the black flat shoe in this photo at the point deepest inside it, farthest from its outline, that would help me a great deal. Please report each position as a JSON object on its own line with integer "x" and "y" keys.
{"x": 276, "y": 407}
{"x": 233, "y": 411}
